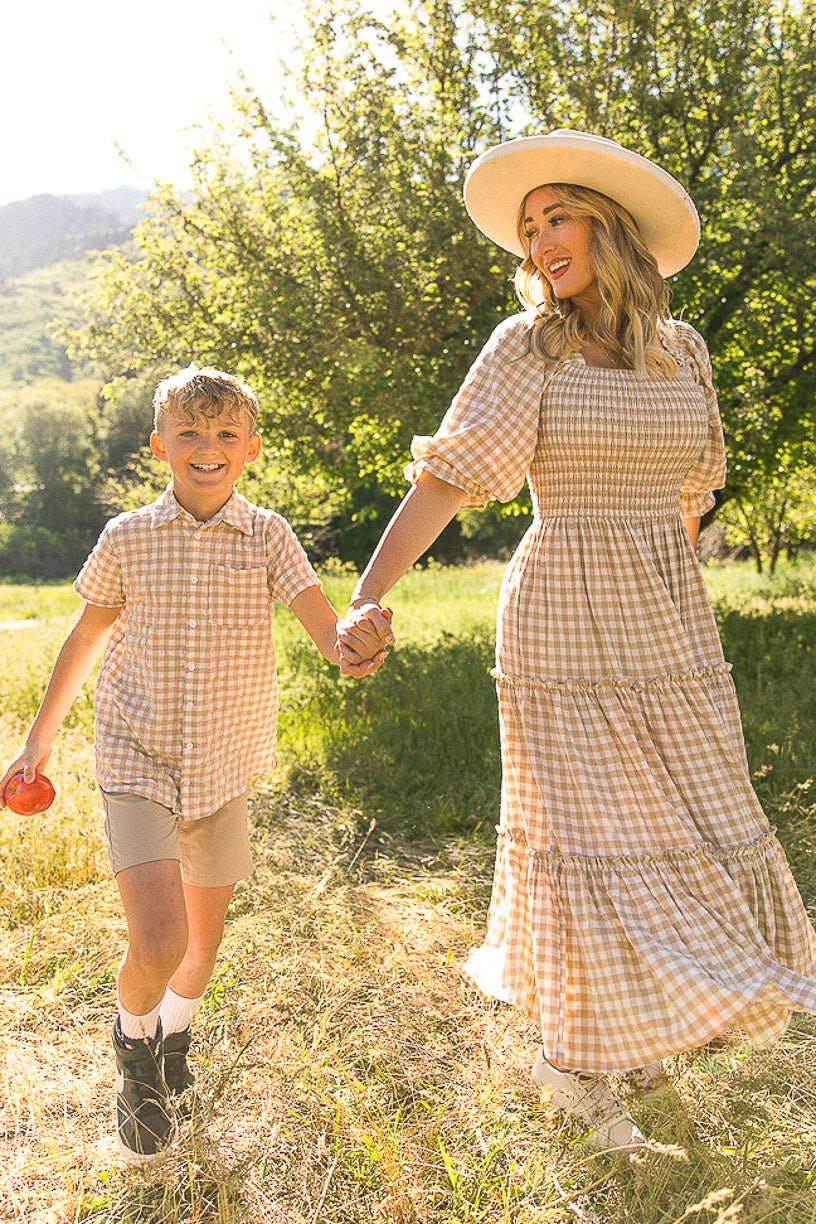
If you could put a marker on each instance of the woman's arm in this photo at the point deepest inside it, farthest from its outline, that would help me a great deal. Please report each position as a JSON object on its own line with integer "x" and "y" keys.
{"x": 421, "y": 516}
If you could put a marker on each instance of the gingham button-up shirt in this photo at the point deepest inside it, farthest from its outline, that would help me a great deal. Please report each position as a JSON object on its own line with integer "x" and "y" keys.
{"x": 186, "y": 699}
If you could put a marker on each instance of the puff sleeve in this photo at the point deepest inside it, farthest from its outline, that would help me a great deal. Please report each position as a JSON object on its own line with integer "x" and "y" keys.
{"x": 487, "y": 438}
{"x": 708, "y": 471}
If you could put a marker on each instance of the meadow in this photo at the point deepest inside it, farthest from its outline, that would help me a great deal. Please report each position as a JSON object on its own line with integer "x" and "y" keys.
{"x": 347, "y": 1074}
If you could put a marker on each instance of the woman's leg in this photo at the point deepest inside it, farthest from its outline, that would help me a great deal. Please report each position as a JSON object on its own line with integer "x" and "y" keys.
{"x": 590, "y": 1100}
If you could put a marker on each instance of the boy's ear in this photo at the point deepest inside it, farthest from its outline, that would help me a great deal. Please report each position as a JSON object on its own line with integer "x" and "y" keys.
{"x": 157, "y": 445}
{"x": 254, "y": 448}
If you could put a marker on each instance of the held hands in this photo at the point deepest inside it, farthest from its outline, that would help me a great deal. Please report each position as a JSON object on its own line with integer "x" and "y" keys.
{"x": 363, "y": 638}
{"x": 31, "y": 761}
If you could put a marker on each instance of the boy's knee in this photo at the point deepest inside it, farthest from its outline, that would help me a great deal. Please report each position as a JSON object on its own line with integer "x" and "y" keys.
{"x": 203, "y": 950}
{"x": 161, "y": 948}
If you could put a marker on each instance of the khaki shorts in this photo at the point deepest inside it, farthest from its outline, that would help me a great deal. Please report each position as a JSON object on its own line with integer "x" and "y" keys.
{"x": 212, "y": 852}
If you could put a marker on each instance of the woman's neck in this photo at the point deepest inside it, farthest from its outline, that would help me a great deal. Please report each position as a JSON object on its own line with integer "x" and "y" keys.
{"x": 596, "y": 355}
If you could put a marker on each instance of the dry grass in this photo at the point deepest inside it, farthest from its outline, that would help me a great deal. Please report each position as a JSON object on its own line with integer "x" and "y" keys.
{"x": 346, "y": 1073}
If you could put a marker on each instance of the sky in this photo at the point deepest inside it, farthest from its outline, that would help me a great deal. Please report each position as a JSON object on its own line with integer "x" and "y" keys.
{"x": 83, "y": 77}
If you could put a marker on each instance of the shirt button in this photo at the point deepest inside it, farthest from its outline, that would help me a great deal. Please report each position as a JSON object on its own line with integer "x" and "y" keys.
{"x": 189, "y": 705}
{"x": 193, "y": 624}
{"x": 191, "y": 666}
{"x": 189, "y": 745}
{"x": 194, "y": 581}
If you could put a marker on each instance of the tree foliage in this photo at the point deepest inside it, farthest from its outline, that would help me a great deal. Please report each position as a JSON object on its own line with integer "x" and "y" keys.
{"x": 60, "y": 445}
{"x": 339, "y": 273}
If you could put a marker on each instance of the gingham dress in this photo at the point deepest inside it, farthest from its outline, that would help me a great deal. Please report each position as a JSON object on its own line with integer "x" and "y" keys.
{"x": 641, "y": 903}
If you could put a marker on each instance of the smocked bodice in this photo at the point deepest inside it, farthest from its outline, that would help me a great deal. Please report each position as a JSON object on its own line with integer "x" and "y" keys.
{"x": 612, "y": 445}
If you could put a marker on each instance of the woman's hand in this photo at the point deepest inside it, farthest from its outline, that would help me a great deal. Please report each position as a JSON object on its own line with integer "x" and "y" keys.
{"x": 363, "y": 638}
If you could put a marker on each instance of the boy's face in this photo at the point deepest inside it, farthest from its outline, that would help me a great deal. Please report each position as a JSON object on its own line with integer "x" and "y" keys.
{"x": 206, "y": 456}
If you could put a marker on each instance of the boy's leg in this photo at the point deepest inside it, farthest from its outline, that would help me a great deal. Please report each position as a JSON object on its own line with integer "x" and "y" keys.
{"x": 154, "y": 904}
{"x": 206, "y": 910}
{"x": 143, "y": 849}
{"x": 153, "y": 901}
{"x": 206, "y": 913}
{"x": 214, "y": 854}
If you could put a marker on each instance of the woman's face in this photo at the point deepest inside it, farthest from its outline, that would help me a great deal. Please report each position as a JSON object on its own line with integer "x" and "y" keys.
{"x": 559, "y": 248}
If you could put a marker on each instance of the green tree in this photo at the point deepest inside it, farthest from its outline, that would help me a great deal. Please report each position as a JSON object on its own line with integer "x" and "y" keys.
{"x": 721, "y": 94}
{"x": 775, "y": 512}
{"x": 341, "y": 280}
{"x": 49, "y": 483}
{"x": 341, "y": 276}
{"x": 58, "y": 467}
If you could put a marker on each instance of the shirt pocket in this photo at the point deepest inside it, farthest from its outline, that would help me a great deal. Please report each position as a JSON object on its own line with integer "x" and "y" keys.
{"x": 238, "y": 597}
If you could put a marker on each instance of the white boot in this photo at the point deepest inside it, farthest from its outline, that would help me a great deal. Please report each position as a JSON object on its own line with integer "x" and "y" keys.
{"x": 644, "y": 1080}
{"x": 592, "y": 1103}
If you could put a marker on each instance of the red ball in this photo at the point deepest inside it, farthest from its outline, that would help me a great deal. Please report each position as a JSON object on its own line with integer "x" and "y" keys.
{"x": 29, "y": 798}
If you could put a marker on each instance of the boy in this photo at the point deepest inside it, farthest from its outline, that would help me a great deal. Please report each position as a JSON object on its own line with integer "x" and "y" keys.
{"x": 182, "y": 592}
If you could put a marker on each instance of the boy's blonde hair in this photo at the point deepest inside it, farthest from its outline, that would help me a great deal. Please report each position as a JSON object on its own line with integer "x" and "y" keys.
{"x": 203, "y": 392}
{"x": 634, "y": 309}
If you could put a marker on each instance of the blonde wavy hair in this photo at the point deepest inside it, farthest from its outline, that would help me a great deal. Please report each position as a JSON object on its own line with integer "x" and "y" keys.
{"x": 634, "y": 311}
{"x": 203, "y": 391}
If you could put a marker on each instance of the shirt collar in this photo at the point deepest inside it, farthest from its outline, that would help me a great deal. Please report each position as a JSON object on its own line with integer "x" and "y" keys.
{"x": 235, "y": 513}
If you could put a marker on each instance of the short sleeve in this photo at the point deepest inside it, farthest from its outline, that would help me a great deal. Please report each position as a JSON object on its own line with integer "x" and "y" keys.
{"x": 708, "y": 471}
{"x": 288, "y": 568}
{"x": 487, "y": 438}
{"x": 100, "y": 579}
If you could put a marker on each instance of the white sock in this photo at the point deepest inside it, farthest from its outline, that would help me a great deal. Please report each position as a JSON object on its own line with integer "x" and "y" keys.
{"x": 137, "y": 1027}
{"x": 177, "y": 1012}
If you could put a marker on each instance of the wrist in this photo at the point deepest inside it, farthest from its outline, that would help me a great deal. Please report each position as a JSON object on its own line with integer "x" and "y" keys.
{"x": 37, "y": 744}
{"x": 363, "y": 601}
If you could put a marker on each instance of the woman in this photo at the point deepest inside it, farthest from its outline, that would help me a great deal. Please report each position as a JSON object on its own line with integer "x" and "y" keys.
{"x": 641, "y": 903}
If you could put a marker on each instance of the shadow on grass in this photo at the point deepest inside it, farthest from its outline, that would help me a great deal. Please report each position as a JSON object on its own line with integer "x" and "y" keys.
{"x": 402, "y": 1042}
{"x": 773, "y": 657}
{"x": 773, "y": 651}
{"x": 416, "y": 745}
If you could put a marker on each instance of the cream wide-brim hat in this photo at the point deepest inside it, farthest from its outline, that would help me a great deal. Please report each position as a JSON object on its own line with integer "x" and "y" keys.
{"x": 663, "y": 211}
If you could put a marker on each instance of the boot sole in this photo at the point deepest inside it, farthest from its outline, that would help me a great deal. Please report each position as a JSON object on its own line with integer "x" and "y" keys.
{"x": 140, "y": 1159}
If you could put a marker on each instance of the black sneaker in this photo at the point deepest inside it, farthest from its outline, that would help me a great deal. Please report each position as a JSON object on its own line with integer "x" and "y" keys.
{"x": 143, "y": 1125}
{"x": 177, "y": 1074}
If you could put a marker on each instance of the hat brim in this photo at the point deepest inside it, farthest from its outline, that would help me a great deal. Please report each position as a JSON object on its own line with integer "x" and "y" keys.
{"x": 662, "y": 209}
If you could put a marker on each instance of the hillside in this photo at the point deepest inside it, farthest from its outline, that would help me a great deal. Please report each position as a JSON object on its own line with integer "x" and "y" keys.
{"x": 44, "y": 259}
{"x": 29, "y": 304}
{"x": 48, "y": 229}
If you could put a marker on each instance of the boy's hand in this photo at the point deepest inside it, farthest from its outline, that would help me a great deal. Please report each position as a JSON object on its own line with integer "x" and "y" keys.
{"x": 31, "y": 761}
{"x": 363, "y": 638}
{"x": 351, "y": 665}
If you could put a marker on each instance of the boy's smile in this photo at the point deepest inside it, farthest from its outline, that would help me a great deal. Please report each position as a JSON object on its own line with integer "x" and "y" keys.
{"x": 206, "y": 456}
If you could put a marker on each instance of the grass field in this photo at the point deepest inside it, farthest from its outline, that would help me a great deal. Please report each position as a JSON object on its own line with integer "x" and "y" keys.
{"x": 347, "y": 1073}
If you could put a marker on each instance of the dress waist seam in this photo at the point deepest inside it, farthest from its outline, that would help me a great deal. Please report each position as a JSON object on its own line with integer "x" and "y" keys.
{"x": 609, "y": 515}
